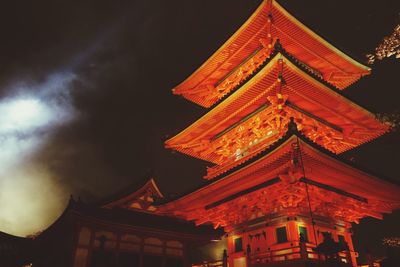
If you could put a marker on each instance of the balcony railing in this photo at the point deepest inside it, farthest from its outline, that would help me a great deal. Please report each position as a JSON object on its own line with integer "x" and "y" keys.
{"x": 299, "y": 252}
{"x": 296, "y": 252}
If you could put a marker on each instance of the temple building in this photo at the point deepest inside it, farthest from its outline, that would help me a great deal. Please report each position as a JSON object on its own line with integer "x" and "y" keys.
{"x": 277, "y": 190}
{"x": 122, "y": 230}
{"x": 277, "y": 123}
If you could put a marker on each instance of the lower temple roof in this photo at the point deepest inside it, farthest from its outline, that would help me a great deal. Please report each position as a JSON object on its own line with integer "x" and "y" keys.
{"x": 274, "y": 181}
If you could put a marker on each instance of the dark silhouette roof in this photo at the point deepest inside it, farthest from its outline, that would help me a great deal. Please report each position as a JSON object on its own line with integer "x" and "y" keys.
{"x": 144, "y": 219}
{"x": 15, "y": 250}
{"x": 126, "y": 191}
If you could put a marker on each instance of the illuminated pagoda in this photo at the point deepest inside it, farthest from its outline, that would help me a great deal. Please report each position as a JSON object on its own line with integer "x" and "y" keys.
{"x": 276, "y": 126}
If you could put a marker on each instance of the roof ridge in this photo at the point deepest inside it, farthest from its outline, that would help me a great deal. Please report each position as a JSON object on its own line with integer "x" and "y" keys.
{"x": 125, "y": 191}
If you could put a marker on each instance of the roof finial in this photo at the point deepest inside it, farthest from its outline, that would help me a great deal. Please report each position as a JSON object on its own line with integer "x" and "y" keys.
{"x": 278, "y": 45}
{"x": 292, "y": 126}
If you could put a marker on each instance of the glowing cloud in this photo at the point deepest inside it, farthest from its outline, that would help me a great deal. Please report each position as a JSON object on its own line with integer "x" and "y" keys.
{"x": 22, "y": 115}
{"x": 27, "y": 119}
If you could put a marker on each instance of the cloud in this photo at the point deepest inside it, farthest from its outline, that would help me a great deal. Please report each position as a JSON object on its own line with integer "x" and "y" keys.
{"x": 30, "y": 199}
{"x": 30, "y": 196}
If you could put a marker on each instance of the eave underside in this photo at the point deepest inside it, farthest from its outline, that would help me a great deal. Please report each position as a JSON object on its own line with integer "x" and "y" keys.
{"x": 326, "y": 116}
{"x": 337, "y": 189}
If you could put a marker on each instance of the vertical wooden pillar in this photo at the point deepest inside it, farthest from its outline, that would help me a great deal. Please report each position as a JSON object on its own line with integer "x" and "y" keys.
{"x": 312, "y": 235}
{"x": 141, "y": 251}
{"x": 303, "y": 250}
{"x": 225, "y": 259}
{"x": 349, "y": 240}
{"x": 91, "y": 246}
{"x": 248, "y": 255}
{"x": 164, "y": 252}
{"x": 187, "y": 247}
{"x": 292, "y": 230}
{"x": 230, "y": 246}
{"x": 117, "y": 244}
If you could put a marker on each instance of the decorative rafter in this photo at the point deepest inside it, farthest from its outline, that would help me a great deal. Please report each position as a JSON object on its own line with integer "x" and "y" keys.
{"x": 287, "y": 197}
{"x": 273, "y": 96}
{"x": 268, "y": 125}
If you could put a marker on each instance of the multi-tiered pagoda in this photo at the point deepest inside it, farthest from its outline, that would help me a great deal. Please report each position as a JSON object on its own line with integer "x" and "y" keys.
{"x": 276, "y": 126}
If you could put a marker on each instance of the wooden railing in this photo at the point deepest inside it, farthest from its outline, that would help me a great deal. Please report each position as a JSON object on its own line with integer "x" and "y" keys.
{"x": 284, "y": 254}
{"x": 297, "y": 252}
{"x": 303, "y": 252}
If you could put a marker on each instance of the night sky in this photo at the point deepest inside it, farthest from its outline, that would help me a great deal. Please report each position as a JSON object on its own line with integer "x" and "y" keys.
{"x": 93, "y": 80}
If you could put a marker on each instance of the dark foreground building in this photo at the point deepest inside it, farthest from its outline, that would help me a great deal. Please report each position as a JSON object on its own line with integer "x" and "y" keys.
{"x": 15, "y": 251}
{"x": 123, "y": 231}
